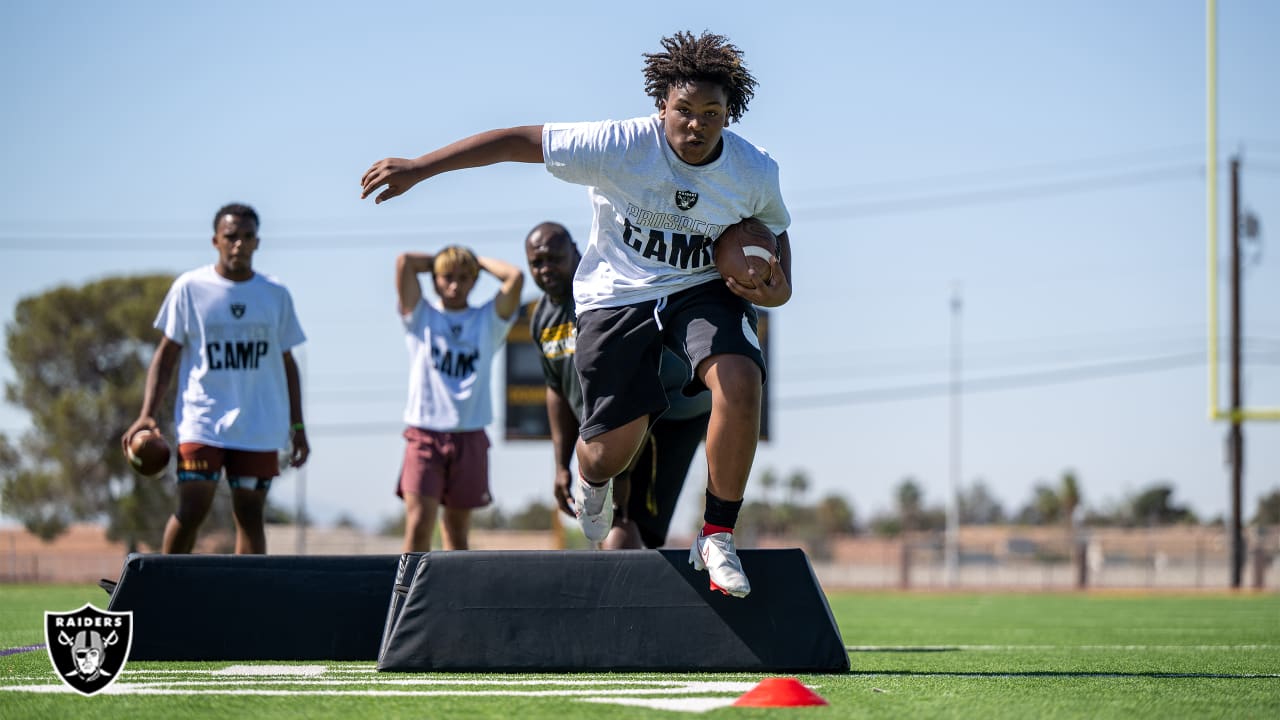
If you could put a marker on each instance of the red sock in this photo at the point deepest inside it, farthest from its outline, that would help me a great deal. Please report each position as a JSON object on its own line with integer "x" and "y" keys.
{"x": 709, "y": 529}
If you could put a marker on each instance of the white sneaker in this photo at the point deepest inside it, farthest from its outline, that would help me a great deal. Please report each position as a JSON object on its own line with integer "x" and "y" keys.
{"x": 715, "y": 554}
{"x": 595, "y": 510}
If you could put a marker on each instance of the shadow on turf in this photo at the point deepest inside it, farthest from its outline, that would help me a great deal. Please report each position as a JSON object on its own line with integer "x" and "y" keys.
{"x": 1052, "y": 673}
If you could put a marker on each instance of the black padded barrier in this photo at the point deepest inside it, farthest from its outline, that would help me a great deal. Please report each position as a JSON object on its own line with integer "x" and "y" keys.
{"x": 590, "y": 611}
{"x": 256, "y": 607}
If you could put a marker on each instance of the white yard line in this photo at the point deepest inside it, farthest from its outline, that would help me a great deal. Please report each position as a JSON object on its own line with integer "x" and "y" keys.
{"x": 692, "y": 704}
{"x": 291, "y": 670}
{"x": 690, "y": 696}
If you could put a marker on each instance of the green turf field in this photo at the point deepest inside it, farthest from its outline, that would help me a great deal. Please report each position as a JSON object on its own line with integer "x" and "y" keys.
{"x": 913, "y": 655}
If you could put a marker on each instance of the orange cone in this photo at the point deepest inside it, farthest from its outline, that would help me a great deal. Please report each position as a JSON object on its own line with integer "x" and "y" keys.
{"x": 779, "y": 692}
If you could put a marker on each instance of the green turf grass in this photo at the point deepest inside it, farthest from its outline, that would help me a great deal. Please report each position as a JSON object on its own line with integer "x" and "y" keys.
{"x": 913, "y": 655}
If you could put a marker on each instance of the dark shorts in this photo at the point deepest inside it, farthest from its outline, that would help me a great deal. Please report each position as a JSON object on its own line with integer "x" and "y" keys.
{"x": 618, "y": 350}
{"x": 205, "y": 462}
{"x": 658, "y": 476}
{"x": 452, "y": 467}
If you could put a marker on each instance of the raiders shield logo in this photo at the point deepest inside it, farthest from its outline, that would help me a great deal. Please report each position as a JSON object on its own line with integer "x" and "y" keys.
{"x": 686, "y": 199}
{"x": 88, "y": 647}
{"x": 237, "y": 309}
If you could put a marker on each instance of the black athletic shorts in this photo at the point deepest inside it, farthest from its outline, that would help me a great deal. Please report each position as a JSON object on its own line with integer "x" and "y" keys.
{"x": 618, "y": 350}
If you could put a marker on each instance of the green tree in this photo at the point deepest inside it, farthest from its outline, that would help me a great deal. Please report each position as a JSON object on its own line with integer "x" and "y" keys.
{"x": 393, "y": 525}
{"x": 910, "y": 503}
{"x": 886, "y": 525}
{"x": 535, "y": 516}
{"x": 1044, "y": 508}
{"x": 755, "y": 518}
{"x": 797, "y": 486}
{"x": 80, "y": 358}
{"x": 768, "y": 481}
{"x": 834, "y": 516}
{"x": 489, "y": 518}
{"x": 978, "y": 506}
{"x": 1268, "y": 512}
{"x": 346, "y": 521}
{"x": 1069, "y": 498}
{"x": 1154, "y": 506}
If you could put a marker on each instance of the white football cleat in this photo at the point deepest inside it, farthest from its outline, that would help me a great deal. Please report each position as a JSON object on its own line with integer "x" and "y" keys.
{"x": 595, "y": 510}
{"x": 716, "y": 554}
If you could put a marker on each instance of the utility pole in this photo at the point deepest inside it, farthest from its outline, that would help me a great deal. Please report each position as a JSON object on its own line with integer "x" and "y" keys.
{"x": 1235, "y": 436}
{"x": 952, "y": 573}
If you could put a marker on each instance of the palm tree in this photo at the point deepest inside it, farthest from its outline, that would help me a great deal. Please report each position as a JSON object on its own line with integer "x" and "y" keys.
{"x": 797, "y": 486}
{"x": 1069, "y": 498}
{"x": 1047, "y": 505}
{"x": 768, "y": 481}
{"x": 909, "y": 502}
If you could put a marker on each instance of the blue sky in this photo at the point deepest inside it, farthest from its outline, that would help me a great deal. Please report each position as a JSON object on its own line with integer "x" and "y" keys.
{"x": 1046, "y": 159}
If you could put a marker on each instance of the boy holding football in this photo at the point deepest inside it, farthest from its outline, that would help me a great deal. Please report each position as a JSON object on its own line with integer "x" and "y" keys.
{"x": 229, "y": 332}
{"x": 663, "y": 187}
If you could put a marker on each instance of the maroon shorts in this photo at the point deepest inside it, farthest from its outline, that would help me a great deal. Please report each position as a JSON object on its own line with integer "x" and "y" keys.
{"x": 197, "y": 462}
{"x": 452, "y": 467}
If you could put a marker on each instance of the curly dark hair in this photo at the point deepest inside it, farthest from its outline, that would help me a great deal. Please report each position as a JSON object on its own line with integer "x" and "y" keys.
{"x": 240, "y": 210}
{"x": 706, "y": 57}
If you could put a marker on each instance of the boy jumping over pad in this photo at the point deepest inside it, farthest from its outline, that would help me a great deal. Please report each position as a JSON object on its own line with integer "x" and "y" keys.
{"x": 662, "y": 189}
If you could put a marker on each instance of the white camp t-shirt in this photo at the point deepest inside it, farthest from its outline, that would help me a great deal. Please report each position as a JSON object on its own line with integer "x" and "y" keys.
{"x": 656, "y": 216}
{"x": 232, "y": 391}
{"x": 451, "y": 354}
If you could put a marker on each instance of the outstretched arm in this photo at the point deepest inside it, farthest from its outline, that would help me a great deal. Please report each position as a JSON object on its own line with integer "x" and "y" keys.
{"x": 508, "y": 301}
{"x": 515, "y": 144}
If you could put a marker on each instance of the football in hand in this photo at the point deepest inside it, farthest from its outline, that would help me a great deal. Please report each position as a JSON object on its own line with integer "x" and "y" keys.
{"x": 148, "y": 452}
{"x": 743, "y": 245}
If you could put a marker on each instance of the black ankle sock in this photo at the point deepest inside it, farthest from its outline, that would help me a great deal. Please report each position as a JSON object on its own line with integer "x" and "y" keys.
{"x": 721, "y": 512}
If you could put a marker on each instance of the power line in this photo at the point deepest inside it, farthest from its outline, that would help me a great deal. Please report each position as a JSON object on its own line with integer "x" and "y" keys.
{"x": 1010, "y": 175}
{"x": 875, "y": 395}
{"x": 993, "y": 357}
{"x": 908, "y": 392}
{"x": 992, "y": 384}
{"x": 340, "y": 239}
{"x": 292, "y": 241}
{"x": 1003, "y": 194}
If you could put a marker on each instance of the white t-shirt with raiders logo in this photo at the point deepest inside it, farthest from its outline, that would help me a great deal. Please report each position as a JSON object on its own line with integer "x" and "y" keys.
{"x": 656, "y": 216}
{"x": 451, "y": 354}
{"x": 232, "y": 391}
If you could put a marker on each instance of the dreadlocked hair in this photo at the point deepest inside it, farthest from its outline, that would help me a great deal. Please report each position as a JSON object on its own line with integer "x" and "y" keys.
{"x": 689, "y": 59}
